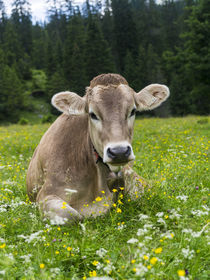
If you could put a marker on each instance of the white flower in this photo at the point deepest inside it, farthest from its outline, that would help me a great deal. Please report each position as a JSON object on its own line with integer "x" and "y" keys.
{"x": 141, "y": 231}
{"x": 27, "y": 258}
{"x": 143, "y": 217}
{"x": 2, "y": 272}
{"x": 108, "y": 268}
{"x": 132, "y": 241}
{"x": 199, "y": 213}
{"x": 101, "y": 252}
{"x": 161, "y": 221}
{"x": 57, "y": 220}
{"x": 141, "y": 269}
{"x": 193, "y": 233}
{"x": 159, "y": 214}
{"x": 182, "y": 197}
{"x": 187, "y": 253}
{"x": 32, "y": 237}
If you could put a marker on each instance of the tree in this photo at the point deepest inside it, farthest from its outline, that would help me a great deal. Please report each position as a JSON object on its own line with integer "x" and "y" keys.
{"x": 98, "y": 56}
{"x": 11, "y": 92}
{"x": 125, "y": 33}
{"x": 74, "y": 59}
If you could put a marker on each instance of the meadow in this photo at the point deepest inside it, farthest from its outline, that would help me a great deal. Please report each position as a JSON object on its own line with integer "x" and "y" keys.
{"x": 162, "y": 234}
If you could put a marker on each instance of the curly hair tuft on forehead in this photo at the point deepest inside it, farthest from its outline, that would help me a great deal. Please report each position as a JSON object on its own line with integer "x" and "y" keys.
{"x": 108, "y": 79}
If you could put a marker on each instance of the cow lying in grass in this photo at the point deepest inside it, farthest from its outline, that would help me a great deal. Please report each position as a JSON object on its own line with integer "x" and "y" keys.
{"x": 84, "y": 155}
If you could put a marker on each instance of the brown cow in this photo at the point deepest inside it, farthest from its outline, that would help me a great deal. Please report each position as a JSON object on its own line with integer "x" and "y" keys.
{"x": 84, "y": 153}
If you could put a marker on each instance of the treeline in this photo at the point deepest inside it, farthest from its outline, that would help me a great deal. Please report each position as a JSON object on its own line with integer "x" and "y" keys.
{"x": 144, "y": 41}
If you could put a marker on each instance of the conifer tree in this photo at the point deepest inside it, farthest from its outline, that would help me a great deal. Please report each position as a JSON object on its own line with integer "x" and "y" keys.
{"x": 74, "y": 59}
{"x": 98, "y": 56}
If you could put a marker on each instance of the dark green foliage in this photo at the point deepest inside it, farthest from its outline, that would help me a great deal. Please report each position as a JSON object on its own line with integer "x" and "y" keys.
{"x": 11, "y": 92}
{"x": 23, "y": 121}
{"x": 98, "y": 56}
{"x": 147, "y": 42}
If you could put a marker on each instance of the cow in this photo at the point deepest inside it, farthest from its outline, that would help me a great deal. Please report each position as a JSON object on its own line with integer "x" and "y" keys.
{"x": 82, "y": 161}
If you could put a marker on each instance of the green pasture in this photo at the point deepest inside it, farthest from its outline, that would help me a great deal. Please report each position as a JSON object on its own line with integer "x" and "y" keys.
{"x": 163, "y": 234}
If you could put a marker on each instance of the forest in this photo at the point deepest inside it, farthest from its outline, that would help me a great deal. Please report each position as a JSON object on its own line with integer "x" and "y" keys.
{"x": 145, "y": 41}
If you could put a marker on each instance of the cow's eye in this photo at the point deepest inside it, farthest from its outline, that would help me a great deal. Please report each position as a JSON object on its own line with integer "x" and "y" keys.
{"x": 133, "y": 112}
{"x": 93, "y": 116}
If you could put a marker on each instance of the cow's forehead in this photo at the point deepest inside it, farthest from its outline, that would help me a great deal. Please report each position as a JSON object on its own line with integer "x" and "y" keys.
{"x": 111, "y": 96}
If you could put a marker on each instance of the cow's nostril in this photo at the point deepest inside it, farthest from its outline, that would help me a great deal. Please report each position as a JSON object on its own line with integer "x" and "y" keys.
{"x": 111, "y": 153}
{"x": 128, "y": 152}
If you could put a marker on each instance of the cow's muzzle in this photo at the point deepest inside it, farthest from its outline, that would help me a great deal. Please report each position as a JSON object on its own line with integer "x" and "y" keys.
{"x": 118, "y": 153}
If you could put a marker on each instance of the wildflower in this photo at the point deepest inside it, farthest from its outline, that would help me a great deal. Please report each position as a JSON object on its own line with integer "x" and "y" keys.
{"x": 57, "y": 252}
{"x": 98, "y": 198}
{"x": 114, "y": 205}
{"x": 58, "y": 228}
{"x": 92, "y": 273}
{"x": 101, "y": 252}
{"x": 121, "y": 189}
{"x": 145, "y": 257}
{"x": 114, "y": 190}
{"x": 84, "y": 277}
{"x": 133, "y": 261}
{"x": 132, "y": 241}
{"x": 134, "y": 269}
{"x": 2, "y": 246}
{"x": 119, "y": 210}
{"x": 63, "y": 205}
{"x": 69, "y": 249}
{"x": 181, "y": 272}
{"x": 41, "y": 265}
{"x": 153, "y": 260}
{"x": 149, "y": 267}
{"x": 95, "y": 263}
{"x": 158, "y": 250}
{"x": 106, "y": 205}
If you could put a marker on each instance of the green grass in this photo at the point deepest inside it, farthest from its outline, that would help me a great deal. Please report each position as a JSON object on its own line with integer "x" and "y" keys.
{"x": 171, "y": 216}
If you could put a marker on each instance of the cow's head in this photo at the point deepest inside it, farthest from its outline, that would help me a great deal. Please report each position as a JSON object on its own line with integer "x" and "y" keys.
{"x": 111, "y": 106}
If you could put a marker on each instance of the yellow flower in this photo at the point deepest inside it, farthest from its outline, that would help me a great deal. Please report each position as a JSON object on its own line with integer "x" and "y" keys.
{"x": 92, "y": 273}
{"x": 58, "y": 228}
{"x": 181, "y": 272}
{"x": 106, "y": 205}
{"x": 153, "y": 260}
{"x": 145, "y": 257}
{"x": 121, "y": 189}
{"x": 114, "y": 190}
{"x": 166, "y": 216}
{"x": 102, "y": 191}
{"x": 149, "y": 267}
{"x": 134, "y": 269}
{"x": 133, "y": 261}
{"x": 57, "y": 252}
{"x": 119, "y": 210}
{"x": 84, "y": 278}
{"x": 172, "y": 235}
{"x": 98, "y": 198}
{"x": 3, "y": 246}
{"x": 41, "y": 265}
{"x": 69, "y": 249}
{"x": 95, "y": 263}
{"x": 114, "y": 205}
{"x": 107, "y": 261}
{"x": 158, "y": 250}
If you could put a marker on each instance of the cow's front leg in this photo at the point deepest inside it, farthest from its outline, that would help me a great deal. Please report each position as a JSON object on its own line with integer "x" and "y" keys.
{"x": 134, "y": 184}
{"x": 58, "y": 211}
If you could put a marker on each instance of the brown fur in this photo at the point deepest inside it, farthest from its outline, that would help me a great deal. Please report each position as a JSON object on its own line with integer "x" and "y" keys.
{"x": 108, "y": 79}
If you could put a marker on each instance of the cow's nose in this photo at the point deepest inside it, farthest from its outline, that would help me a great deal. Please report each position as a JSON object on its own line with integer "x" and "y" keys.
{"x": 119, "y": 153}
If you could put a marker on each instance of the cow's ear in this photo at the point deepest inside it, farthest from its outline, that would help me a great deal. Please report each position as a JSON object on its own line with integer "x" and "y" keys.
{"x": 151, "y": 97}
{"x": 69, "y": 103}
